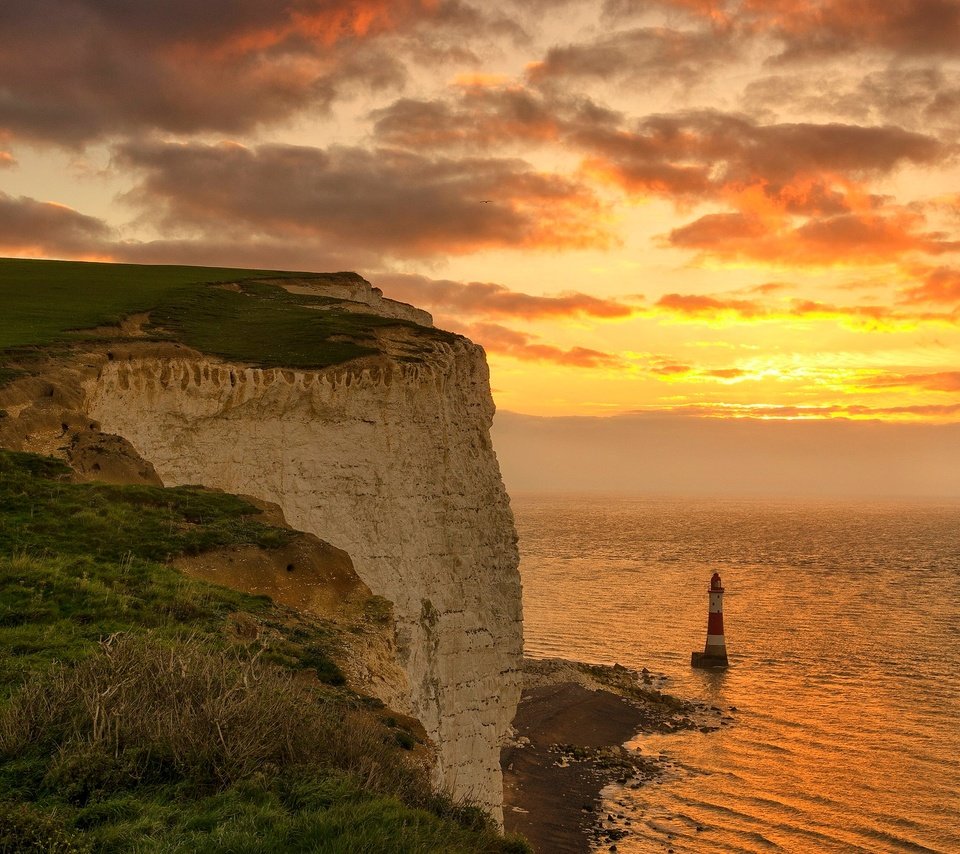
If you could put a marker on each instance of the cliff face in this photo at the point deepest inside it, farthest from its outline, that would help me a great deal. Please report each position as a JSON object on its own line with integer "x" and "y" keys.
{"x": 389, "y": 459}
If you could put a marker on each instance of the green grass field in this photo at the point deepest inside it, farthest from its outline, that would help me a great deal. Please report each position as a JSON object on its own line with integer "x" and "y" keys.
{"x": 46, "y": 305}
{"x": 133, "y": 719}
{"x": 40, "y": 301}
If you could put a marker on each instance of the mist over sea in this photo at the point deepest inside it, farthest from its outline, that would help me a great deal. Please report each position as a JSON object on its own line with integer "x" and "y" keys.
{"x": 843, "y": 627}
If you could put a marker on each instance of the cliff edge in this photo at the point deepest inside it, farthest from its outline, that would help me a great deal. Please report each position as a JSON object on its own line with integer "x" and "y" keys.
{"x": 379, "y": 445}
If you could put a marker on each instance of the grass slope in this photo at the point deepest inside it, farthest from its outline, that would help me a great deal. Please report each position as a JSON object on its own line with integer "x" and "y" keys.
{"x": 47, "y": 304}
{"x": 43, "y": 300}
{"x": 136, "y": 716}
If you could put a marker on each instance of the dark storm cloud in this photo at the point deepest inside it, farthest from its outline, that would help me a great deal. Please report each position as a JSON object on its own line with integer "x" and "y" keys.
{"x": 75, "y": 70}
{"x": 31, "y": 227}
{"x": 387, "y": 201}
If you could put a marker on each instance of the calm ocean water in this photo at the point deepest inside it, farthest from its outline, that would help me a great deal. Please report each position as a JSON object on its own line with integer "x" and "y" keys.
{"x": 843, "y": 626}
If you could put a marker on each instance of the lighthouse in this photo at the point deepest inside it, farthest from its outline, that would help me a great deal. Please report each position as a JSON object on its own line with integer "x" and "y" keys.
{"x": 714, "y": 654}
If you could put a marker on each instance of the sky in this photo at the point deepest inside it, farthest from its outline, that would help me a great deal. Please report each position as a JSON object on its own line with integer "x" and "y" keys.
{"x": 664, "y": 208}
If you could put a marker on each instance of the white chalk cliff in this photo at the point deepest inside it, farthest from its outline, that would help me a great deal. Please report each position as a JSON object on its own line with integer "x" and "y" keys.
{"x": 388, "y": 458}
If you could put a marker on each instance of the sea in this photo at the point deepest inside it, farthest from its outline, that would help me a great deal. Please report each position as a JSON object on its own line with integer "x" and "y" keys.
{"x": 842, "y": 624}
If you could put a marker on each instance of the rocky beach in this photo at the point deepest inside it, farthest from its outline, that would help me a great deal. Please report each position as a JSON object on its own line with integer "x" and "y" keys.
{"x": 568, "y": 745}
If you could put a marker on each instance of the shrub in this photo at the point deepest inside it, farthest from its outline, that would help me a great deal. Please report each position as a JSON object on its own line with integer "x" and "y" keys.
{"x": 149, "y": 710}
{"x": 316, "y": 657}
{"x": 25, "y": 829}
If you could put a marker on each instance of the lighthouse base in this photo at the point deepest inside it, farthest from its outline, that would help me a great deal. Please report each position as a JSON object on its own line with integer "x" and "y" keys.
{"x": 709, "y": 661}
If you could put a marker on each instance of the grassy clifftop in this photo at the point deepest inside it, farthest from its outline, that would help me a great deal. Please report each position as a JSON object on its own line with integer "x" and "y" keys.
{"x": 144, "y": 711}
{"x": 231, "y": 313}
{"x": 45, "y": 300}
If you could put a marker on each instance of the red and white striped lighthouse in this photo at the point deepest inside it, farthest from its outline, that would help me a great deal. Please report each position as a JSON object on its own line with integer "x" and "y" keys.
{"x": 715, "y": 652}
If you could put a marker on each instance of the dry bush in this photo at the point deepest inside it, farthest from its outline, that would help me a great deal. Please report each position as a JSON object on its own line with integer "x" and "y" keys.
{"x": 149, "y": 710}
{"x": 25, "y": 830}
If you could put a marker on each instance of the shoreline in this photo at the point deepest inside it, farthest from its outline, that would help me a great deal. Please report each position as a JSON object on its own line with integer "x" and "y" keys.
{"x": 571, "y": 724}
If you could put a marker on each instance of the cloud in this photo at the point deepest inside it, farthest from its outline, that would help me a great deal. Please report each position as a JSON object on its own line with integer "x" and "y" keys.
{"x": 880, "y": 318}
{"x": 262, "y": 253}
{"x": 489, "y": 113}
{"x": 769, "y": 288}
{"x": 707, "y": 153}
{"x": 7, "y": 160}
{"x": 769, "y": 174}
{"x": 925, "y": 98}
{"x": 808, "y": 29}
{"x": 811, "y": 29}
{"x": 870, "y": 317}
{"x": 795, "y": 192}
{"x": 947, "y": 381}
{"x": 520, "y": 345}
{"x": 698, "y": 305}
{"x": 385, "y": 201}
{"x": 931, "y": 410}
{"x": 713, "y": 10}
{"x": 29, "y": 227}
{"x": 74, "y": 70}
{"x": 646, "y": 53}
{"x": 671, "y": 370}
{"x": 847, "y": 238}
{"x": 727, "y": 373}
{"x": 872, "y": 235}
{"x": 813, "y": 412}
{"x": 487, "y": 299}
{"x": 724, "y": 308}
{"x": 939, "y": 285}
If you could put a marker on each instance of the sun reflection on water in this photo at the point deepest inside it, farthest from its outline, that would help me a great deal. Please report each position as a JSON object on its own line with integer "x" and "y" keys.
{"x": 840, "y": 624}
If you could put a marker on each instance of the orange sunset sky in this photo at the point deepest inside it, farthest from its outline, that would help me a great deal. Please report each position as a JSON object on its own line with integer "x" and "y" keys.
{"x": 666, "y": 206}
